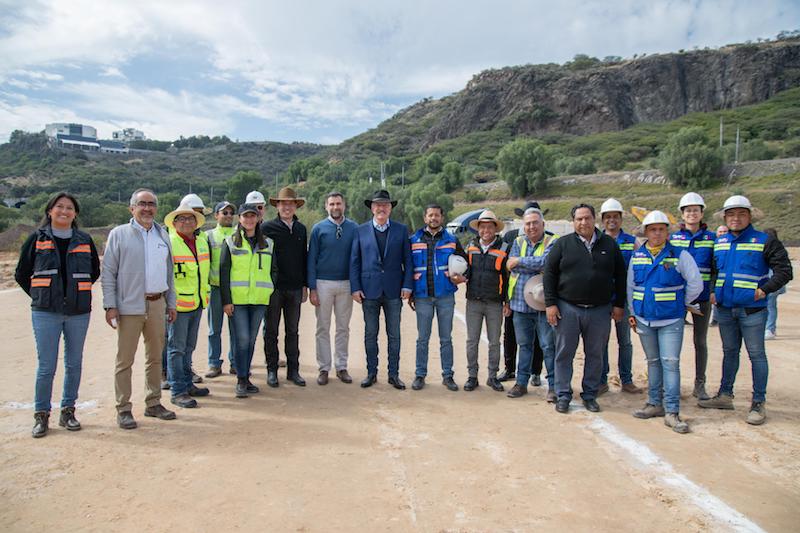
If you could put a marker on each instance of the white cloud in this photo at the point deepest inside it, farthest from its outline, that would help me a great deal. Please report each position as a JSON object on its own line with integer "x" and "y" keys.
{"x": 312, "y": 63}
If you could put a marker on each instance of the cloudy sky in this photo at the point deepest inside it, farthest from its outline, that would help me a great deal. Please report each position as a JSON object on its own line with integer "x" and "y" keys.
{"x": 318, "y": 71}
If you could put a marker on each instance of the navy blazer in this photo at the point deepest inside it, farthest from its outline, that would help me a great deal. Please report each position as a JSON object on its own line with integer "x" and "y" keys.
{"x": 375, "y": 275}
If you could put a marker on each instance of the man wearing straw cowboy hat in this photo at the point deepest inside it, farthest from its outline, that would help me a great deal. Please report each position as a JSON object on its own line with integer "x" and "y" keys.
{"x": 291, "y": 287}
{"x": 191, "y": 261}
{"x": 380, "y": 278}
{"x": 487, "y": 279}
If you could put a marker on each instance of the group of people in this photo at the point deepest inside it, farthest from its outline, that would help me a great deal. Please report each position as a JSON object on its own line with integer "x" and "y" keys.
{"x": 551, "y": 290}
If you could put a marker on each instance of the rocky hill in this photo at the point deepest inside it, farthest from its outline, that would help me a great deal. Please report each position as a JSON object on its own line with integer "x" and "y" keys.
{"x": 592, "y": 97}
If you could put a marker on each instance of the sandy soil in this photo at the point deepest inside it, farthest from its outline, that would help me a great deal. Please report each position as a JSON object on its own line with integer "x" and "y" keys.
{"x": 343, "y": 458}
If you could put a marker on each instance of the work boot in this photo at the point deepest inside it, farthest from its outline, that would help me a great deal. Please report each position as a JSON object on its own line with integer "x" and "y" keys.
{"x": 322, "y": 379}
{"x": 241, "y": 388}
{"x": 674, "y": 421}
{"x": 68, "y": 420}
{"x": 232, "y": 370}
{"x": 164, "y": 382}
{"x": 344, "y": 376}
{"x": 196, "y": 391}
{"x": 551, "y": 396}
{"x": 125, "y": 420}
{"x": 470, "y": 385}
{"x": 757, "y": 414}
{"x": 272, "y": 378}
{"x": 196, "y": 378}
{"x": 213, "y": 372}
{"x": 507, "y": 375}
{"x": 699, "y": 391}
{"x": 517, "y": 390}
{"x": 536, "y": 380}
{"x": 649, "y": 411}
{"x": 251, "y": 388}
{"x": 494, "y": 383}
{"x": 603, "y": 389}
{"x": 720, "y": 401}
{"x": 418, "y": 383}
{"x": 184, "y": 400}
{"x": 630, "y": 388}
{"x": 41, "y": 426}
{"x": 158, "y": 411}
{"x": 450, "y": 384}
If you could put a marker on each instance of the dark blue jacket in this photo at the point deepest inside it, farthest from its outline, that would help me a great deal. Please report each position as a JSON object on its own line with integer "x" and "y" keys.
{"x": 378, "y": 276}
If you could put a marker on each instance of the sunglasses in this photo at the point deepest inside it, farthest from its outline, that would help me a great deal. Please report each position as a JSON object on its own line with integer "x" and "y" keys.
{"x": 227, "y": 213}
{"x": 338, "y": 232}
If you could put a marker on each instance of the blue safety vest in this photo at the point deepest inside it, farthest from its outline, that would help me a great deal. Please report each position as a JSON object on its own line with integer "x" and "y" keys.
{"x": 741, "y": 268}
{"x": 444, "y": 248}
{"x": 701, "y": 247}
{"x": 626, "y": 243}
{"x": 659, "y": 290}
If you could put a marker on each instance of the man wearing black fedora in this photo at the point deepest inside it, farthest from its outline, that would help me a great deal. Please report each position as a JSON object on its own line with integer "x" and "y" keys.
{"x": 291, "y": 286}
{"x": 381, "y": 278}
{"x": 509, "y": 335}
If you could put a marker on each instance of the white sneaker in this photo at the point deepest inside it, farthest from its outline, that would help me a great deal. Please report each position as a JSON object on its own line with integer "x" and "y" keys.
{"x": 769, "y": 335}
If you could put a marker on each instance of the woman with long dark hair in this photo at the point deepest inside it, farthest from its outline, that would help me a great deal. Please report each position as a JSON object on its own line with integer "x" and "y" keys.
{"x": 57, "y": 266}
{"x": 246, "y": 273}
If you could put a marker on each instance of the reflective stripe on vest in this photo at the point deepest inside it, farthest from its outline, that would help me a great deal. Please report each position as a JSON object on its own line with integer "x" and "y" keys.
{"x": 251, "y": 273}
{"x": 660, "y": 290}
{"x": 191, "y": 275}
{"x": 442, "y": 251}
{"x": 216, "y": 239}
{"x": 741, "y": 268}
{"x": 523, "y": 249}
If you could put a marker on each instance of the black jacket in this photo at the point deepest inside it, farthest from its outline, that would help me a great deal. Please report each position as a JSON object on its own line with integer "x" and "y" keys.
{"x": 487, "y": 274}
{"x": 578, "y": 277}
{"x": 290, "y": 253}
{"x": 58, "y": 273}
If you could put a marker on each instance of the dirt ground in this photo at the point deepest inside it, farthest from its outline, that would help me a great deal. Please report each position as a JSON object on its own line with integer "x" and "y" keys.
{"x": 343, "y": 458}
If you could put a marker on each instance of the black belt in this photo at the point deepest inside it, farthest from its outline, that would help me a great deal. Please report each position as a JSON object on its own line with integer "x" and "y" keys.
{"x": 152, "y": 297}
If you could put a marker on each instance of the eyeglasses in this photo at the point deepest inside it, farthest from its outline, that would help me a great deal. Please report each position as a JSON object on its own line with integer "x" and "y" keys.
{"x": 185, "y": 218}
{"x": 338, "y": 232}
{"x": 146, "y": 204}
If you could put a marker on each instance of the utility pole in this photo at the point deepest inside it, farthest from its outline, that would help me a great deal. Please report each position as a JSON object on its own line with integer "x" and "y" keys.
{"x": 276, "y": 184}
{"x": 212, "y": 196}
{"x": 403, "y": 176}
{"x": 383, "y": 175}
{"x": 720, "y": 132}
{"x": 736, "y": 154}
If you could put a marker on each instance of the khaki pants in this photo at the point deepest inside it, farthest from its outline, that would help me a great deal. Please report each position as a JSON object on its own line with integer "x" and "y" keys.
{"x": 152, "y": 326}
{"x": 334, "y": 297}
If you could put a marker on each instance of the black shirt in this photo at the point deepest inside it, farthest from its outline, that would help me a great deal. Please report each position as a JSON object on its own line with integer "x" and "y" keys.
{"x": 290, "y": 253}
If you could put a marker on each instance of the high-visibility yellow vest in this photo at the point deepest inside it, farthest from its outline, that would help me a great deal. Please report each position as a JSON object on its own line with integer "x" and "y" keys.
{"x": 191, "y": 274}
{"x": 251, "y": 272}
{"x": 216, "y": 239}
{"x": 522, "y": 241}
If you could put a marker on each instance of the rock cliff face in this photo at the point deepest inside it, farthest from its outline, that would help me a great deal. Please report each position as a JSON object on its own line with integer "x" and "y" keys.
{"x": 542, "y": 99}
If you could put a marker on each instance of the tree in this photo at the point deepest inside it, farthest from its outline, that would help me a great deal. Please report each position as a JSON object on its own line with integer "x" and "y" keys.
{"x": 452, "y": 177}
{"x": 434, "y": 163}
{"x": 420, "y": 195}
{"x": 525, "y": 164}
{"x": 242, "y": 183}
{"x": 688, "y": 159}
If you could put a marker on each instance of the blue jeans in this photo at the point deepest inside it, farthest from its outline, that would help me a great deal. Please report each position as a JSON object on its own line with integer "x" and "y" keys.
{"x": 47, "y": 330}
{"x": 444, "y": 307}
{"x": 625, "y": 353}
{"x": 246, "y": 321}
{"x": 772, "y": 312}
{"x": 662, "y": 347}
{"x": 734, "y": 326}
{"x": 391, "y": 312}
{"x": 181, "y": 341}
{"x": 215, "y": 318}
{"x": 527, "y": 327}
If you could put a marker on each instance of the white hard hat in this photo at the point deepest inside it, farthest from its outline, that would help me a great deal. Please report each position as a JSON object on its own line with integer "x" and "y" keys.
{"x": 611, "y": 205}
{"x": 691, "y": 198}
{"x": 737, "y": 201}
{"x": 193, "y": 201}
{"x": 255, "y": 197}
{"x": 457, "y": 264}
{"x": 655, "y": 217}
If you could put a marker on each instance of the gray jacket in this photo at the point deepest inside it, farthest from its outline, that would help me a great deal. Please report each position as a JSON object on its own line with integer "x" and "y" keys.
{"x": 122, "y": 277}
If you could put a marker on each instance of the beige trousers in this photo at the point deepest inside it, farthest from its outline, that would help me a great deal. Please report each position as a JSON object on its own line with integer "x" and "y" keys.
{"x": 152, "y": 326}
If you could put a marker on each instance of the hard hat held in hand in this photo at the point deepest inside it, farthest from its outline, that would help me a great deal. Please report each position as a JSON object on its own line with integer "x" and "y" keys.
{"x": 457, "y": 265}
